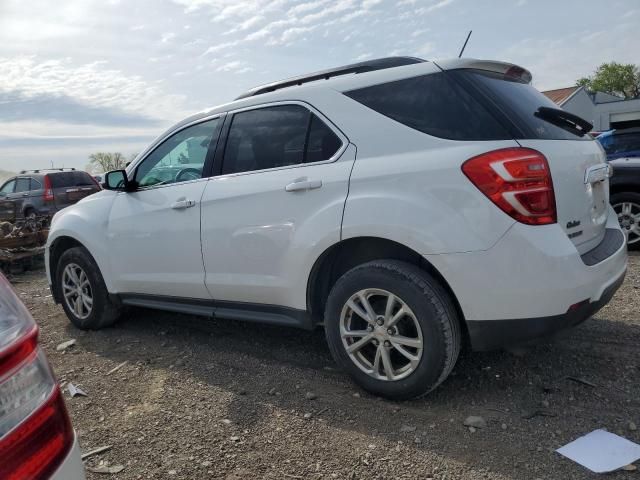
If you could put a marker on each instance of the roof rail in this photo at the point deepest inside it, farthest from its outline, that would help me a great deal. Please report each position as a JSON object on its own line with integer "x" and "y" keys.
{"x": 22, "y": 172}
{"x": 361, "y": 67}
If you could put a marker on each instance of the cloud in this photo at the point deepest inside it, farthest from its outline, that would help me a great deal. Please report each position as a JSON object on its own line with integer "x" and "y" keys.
{"x": 60, "y": 107}
{"x": 363, "y": 57}
{"x": 558, "y": 62}
{"x": 235, "y": 66}
{"x": 167, "y": 37}
{"x": 419, "y": 32}
{"x": 425, "y": 48}
{"x": 435, "y": 6}
{"x": 27, "y": 78}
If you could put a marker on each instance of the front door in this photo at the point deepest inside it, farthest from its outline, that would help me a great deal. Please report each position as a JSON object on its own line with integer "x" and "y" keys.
{"x": 277, "y": 201}
{"x": 154, "y": 231}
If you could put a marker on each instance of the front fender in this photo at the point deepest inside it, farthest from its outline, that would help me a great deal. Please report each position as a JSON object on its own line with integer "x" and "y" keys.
{"x": 85, "y": 222}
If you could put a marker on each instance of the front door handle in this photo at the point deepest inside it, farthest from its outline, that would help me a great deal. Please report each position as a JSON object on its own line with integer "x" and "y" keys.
{"x": 182, "y": 203}
{"x": 302, "y": 184}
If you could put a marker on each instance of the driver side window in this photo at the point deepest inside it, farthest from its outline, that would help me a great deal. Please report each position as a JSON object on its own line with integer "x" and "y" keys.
{"x": 179, "y": 158}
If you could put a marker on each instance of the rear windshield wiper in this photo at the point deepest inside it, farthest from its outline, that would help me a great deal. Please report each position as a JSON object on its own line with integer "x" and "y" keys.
{"x": 565, "y": 120}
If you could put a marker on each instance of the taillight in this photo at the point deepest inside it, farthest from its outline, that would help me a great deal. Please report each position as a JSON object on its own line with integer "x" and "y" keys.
{"x": 35, "y": 431}
{"x": 518, "y": 181}
{"x": 47, "y": 196}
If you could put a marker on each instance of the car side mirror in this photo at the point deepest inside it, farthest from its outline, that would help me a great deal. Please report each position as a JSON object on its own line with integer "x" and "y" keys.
{"x": 116, "y": 180}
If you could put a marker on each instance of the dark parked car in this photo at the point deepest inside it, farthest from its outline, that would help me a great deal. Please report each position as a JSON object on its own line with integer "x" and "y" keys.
{"x": 621, "y": 143}
{"x": 44, "y": 192}
{"x": 625, "y": 197}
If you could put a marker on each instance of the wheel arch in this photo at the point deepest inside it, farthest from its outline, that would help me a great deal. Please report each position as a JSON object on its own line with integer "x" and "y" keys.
{"x": 347, "y": 254}
{"x": 57, "y": 247}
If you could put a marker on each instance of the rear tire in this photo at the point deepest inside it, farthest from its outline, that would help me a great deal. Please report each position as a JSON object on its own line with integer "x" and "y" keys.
{"x": 400, "y": 360}
{"x": 627, "y": 207}
{"x": 82, "y": 291}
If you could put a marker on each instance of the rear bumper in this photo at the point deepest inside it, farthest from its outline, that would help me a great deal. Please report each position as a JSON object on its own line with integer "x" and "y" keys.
{"x": 489, "y": 335}
{"x": 532, "y": 282}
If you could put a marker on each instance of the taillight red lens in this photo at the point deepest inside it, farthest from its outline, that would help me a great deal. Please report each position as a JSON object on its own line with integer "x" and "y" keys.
{"x": 47, "y": 196}
{"x": 35, "y": 432}
{"x": 518, "y": 181}
{"x": 37, "y": 447}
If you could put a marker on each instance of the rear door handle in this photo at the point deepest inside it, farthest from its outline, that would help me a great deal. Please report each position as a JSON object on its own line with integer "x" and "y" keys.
{"x": 182, "y": 204}
{"x": 302, "y": 184}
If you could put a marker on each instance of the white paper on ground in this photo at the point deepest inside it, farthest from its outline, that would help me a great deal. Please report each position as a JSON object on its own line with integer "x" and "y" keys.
{"x": 601, "y": 451}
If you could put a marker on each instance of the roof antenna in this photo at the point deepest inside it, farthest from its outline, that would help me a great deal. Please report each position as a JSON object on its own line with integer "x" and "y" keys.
{"x": 465, "y": 43}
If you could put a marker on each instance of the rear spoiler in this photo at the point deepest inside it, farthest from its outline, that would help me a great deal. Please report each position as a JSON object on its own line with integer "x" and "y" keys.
{"x": 507, "y": 69}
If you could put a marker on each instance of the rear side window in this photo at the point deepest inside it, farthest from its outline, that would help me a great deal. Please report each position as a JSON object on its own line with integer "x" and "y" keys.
{"x": 434, "y": 104}
{"x": 517, "y": 102}
{"x": 22, "y": 184}
{"x": 322, "y": 143}
{"x": 277, "y": 136}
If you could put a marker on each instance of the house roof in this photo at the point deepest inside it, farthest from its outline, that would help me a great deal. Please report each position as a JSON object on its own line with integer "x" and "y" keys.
{"x": 561, "y": 95}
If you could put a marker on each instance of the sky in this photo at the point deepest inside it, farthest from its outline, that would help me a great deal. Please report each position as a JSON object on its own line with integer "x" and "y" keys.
{"x": 82, "y": 76}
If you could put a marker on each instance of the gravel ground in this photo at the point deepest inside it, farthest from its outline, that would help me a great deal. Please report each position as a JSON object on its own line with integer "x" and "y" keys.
{"x": 218, "y": 399}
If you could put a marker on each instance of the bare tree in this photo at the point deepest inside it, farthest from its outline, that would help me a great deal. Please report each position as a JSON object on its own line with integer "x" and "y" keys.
{"x": 105, "y": 161}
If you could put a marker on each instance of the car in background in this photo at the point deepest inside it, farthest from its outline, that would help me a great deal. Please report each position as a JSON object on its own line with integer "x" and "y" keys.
{"x": 37, "y": 441}
{"x": 44, "y": 192}
{"x": 621, "y": 143}
{"x": 622, "y": 147}
{"x": 625, "y": 197}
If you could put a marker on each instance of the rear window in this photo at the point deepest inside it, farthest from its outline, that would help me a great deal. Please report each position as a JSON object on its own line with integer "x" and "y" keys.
{"x": 433, "y": 104}
{"x": 70, "y": 179}
{"x": 518, "y": 102}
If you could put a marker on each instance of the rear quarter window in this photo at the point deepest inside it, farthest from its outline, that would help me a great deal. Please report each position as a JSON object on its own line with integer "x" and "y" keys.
{"x": 434, "y": 104}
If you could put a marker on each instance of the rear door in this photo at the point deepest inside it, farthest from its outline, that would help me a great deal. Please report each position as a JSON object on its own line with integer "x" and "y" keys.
{"x": 279, "y": 195}
{"x": 577, "y": 162}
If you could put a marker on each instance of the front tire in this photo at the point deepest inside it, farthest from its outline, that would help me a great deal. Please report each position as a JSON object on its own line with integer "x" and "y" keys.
{"x": 393, "y": 328}
{"x": 82, "y": 291}
{"x": 627, "y": 207}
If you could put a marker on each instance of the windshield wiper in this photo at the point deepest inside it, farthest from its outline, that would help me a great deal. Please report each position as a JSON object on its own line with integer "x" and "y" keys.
{"x": 565, "y": 120}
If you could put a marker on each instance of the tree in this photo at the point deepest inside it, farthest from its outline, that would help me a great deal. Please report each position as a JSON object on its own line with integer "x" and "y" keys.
{"x": 104, "y": 162}
{"x": 616, "y": 78}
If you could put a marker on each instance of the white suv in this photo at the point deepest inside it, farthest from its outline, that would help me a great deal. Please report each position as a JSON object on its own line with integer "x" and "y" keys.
{"x": 408, "y": 206}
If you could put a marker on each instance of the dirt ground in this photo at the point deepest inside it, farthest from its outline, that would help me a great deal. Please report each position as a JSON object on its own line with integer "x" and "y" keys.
{"x": 204, "y": 398}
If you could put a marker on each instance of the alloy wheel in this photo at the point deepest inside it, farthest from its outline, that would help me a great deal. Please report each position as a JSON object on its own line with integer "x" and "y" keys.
{"x": 381, "y": 334}
{"x": 76, "y": 290}
{"x": 629, "y": 218}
